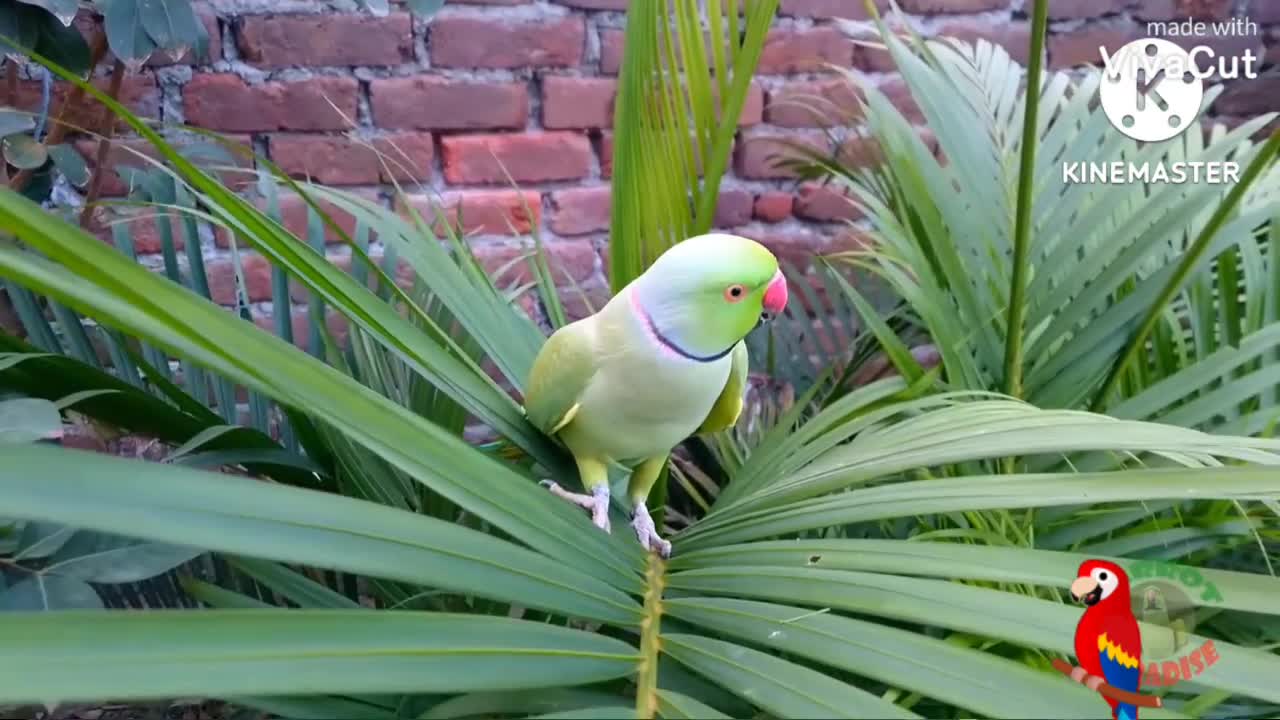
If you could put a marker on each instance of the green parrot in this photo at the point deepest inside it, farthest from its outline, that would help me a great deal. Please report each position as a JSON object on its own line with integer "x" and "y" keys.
{"x": 662, "y": 360}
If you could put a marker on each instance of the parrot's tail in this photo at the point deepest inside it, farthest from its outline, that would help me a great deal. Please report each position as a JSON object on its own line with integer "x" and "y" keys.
{"x": 1125, "y": 711}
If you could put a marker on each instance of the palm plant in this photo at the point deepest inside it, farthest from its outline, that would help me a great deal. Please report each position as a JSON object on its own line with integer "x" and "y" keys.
{"x": 473, "y": 592}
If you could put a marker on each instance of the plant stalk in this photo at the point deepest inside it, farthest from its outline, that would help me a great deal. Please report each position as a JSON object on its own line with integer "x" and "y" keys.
{"x": 650, "y": 639}
{"x": 12, "y": 83}
{"x": 1188, "y": 263}
{"x": 1022, "y": 220}
{"x": 104, "y": 145}
{"x": 58, "y": 129}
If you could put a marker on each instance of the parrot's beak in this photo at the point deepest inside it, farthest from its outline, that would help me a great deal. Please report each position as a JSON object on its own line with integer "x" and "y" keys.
{"x": 1086, "y": 590}
{"x": 775, "y": 297}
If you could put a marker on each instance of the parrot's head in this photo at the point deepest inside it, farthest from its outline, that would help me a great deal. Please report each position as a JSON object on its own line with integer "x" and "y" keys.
{"x": 705, "y": 294}
{"x": 1099, "y": 581}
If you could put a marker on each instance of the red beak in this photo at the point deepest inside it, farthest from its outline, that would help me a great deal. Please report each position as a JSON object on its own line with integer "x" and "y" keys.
{"x": 775, "y": 296}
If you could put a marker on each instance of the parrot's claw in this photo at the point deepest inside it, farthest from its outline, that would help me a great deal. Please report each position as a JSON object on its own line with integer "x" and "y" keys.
{"x": 647, "y": 533}
{"x": 597, "y": 502}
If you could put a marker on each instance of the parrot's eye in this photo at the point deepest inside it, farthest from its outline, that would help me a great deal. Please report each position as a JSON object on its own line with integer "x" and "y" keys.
{"x": 734, "y": 293}
{"x": 1102, "y": 575}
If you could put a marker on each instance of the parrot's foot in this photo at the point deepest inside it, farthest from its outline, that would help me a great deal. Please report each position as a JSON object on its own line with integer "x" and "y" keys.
{"x": 597, "y": 502}
{"x": 647, "y": 533}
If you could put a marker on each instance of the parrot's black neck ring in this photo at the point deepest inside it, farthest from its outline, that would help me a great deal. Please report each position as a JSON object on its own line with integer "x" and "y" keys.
{"x": 669, "y": 344}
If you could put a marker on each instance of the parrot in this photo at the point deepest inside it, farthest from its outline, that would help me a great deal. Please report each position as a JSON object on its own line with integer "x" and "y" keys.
{"x": 664, "y": 359}
{"x": 1107, "y": 640}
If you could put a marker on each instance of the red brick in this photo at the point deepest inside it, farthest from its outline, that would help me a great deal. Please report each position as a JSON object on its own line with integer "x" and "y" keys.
{"x": 606, "y": 155}
{"x": 339, "y": 160}
{"x": 930, "y": 7}
{"x": 756, "y": 156}
{"x": 143, "y": 226}
{"x": 815, "y": 103}
{"x": 225, "y": 102}
{"x": 796, "y": 247}
{"x": 293, "y": 215}
{"x": 1251, "y": 97}
{"x": 816, "y": 201}
{"x": 466, "y": 42}
{"x": 576, "y": 300}
{"x": 138, "y": 93}
{"x": 733, "y": 208}
{"x": 868, "y": 50}
{"x": 424, "y": 102}
{"x": 611, "y": 42}
{"x": 300, "y": 321}
{"x": 576, "y": 102}
{"x": 595, "y": 4}
{"x": 534, "y": 157}
{"x": 895, "y": 89}
{"x": 484, "y": 212}
{"x": 580, "y": 210}
{"x": 330, "y": 39}
{"x": 773, "y": 206}
{"x": 792, "y": 51}
{"x": 222, "y": 278}
{"x": 571, "y": 262}
{"x": 1184, "y": 9}
{"x": 1014, "y": 37}
{"x": 408, "y": 156}
{"x": 844, "y": 9}
{"x": 1077, "y": 9}
{"x": 1080, "y": 46}
{"x": 133, "y": 153}
{"x": 752, "y": 106}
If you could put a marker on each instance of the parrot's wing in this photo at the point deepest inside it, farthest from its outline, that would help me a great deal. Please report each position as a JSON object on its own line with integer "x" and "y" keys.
{"x": 560, "y": 374}
{"x": 724, "y": 413}
{"x": 1120, "y": 657}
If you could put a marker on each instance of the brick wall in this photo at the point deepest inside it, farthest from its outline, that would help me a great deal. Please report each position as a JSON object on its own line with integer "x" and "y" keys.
{"x": 532, "y": 84}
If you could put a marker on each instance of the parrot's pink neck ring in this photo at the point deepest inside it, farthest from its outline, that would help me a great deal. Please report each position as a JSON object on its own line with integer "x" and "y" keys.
{"x": 670, "y": 347}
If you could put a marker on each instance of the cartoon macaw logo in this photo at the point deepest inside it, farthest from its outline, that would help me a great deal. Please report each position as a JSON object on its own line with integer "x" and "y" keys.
{"x": 1107, "y": 643}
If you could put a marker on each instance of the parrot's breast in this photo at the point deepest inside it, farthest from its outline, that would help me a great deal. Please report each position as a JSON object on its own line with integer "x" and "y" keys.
{"x": 642, "y": 400}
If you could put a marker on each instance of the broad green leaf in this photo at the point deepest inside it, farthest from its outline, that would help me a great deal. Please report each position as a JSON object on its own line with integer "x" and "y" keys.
{"x": 26, "y": 420}
{"x": 675, "y": 706}
{"x": 1247, "y": 592}
{"x": 522, "y": 701}
{"x": 171, "y": 24}
{"x": 981, "y": 492}
{"x": 985, "y": 683}
{"x": 63, "y": 10}
{"x": 41, "y": 539}
{"x": 1007, "y": 616}
{"x": 244, "y": 516}
{"x": 603, "y": 712}
{"x": 70, "y": 163}
{"x": 103, "y": 558}
{"x": 303, "y": 591}
{"x": 20, "y": 24}
{"x": 779, "y": 687}
{"x": 15, "y": 121}
{"x": 315, "y": 708}
{"x": 49, "y": 592}
{"x": 240, "y": 352}
{"x": 126, "y": 34}
{"x": 74, "y": 656}
{"x": 23, "y": 152}
{"x": 62, "y": 42}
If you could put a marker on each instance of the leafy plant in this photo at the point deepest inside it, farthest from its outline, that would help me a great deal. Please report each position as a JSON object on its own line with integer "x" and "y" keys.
{"x": 807, "y": 589}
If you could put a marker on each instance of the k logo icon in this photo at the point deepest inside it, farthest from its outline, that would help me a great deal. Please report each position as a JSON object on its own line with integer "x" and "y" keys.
{"x": 1151, "y": 90}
